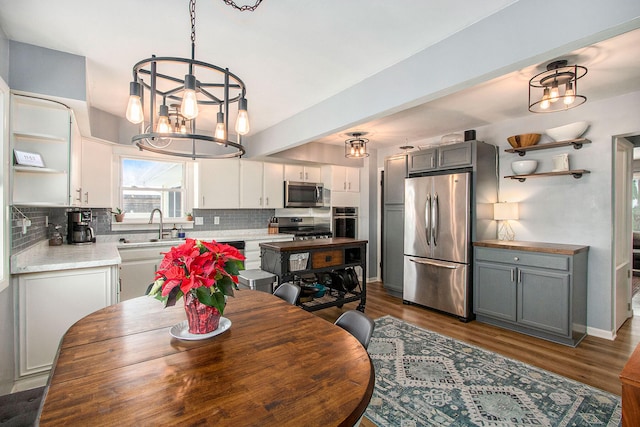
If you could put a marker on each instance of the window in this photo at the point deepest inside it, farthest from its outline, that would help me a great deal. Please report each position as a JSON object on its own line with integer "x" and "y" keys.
{"x": 635, "y": 202}
{"x": 146, "y": 185}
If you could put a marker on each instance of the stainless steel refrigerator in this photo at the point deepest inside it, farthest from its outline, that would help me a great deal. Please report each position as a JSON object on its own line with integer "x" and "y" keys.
{"x": 437, "y": 242}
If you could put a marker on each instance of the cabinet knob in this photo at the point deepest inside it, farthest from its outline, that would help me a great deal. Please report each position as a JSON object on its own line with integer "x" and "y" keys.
{"x": 515, "y": 258}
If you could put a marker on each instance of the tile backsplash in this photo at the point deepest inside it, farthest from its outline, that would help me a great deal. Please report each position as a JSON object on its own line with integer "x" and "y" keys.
{"x": 229, "y": 219}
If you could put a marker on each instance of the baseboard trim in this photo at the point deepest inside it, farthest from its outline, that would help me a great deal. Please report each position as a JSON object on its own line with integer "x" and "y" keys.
{"x": 30, "y": 382}
{"x": 601, "y": 333}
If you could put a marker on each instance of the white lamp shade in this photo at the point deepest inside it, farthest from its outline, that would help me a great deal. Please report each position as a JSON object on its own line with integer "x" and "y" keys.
{"x": 505, "y": 211}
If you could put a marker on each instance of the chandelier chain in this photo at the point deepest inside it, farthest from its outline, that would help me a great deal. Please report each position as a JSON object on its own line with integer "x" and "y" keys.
{"x": 244, "y": 7}
{"x": 192, "y": 13}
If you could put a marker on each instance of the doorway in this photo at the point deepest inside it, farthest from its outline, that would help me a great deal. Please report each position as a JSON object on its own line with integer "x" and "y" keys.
{"x": 626, "y": 228}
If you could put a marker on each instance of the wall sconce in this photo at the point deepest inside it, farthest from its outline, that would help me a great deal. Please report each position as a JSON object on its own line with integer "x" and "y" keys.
{"x": 557, "y": 88}
{"x": 504, "y": 212}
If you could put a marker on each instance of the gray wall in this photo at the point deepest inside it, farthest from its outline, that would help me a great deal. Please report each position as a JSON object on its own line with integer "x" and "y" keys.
{"x": 4, "y": 56}
{"x": 57, "y": 73}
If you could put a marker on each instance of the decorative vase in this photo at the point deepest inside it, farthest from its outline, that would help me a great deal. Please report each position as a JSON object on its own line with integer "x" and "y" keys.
{"x": 202, "y": 318}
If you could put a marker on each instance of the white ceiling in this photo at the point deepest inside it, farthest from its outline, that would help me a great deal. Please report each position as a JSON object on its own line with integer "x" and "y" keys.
{"x": 293, "y": 54}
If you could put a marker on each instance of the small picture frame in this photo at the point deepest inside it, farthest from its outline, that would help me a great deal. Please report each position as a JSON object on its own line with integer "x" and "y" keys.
{"x": 25, "y": 158}
{"x": 560, "y": 162}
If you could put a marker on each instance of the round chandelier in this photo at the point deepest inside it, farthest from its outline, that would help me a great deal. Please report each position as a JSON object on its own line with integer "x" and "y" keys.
{"x": 176, "y": 91}
{"x": 556, "y": 89}
{"x": 356, "y": 146}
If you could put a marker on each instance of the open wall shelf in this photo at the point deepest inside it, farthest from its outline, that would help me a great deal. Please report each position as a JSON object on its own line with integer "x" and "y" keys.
{"x": 576, "y": 143}
{"x": 576, "y": 173}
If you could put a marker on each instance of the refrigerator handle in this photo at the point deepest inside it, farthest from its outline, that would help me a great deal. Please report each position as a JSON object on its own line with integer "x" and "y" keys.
{"x": 435, "y": 263}
{"x": 427, "y": 218}
{"x": 435, "y": 212}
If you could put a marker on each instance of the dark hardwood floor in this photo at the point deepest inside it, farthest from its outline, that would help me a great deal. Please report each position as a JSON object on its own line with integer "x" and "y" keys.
{"x": 595, "y": 361}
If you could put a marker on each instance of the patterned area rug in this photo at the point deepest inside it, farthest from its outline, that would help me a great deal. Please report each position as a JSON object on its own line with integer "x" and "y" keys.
{"x": 426, "y": 379}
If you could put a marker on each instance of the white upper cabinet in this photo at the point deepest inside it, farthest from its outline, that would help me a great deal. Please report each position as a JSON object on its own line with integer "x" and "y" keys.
{"x": 219, "y": 184}
{"x": 40, "y": 129}
{"x": 261, "y": 185}
{"x": 273, "y": 189}
{"x": 251, "y": 184}
{"x": 345, "y": 179}
{"x": 95, "y": 187}
{"x": 302, "y": 173}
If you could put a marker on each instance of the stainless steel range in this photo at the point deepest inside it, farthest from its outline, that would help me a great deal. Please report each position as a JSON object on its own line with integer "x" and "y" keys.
{"x": 305, "y": 227}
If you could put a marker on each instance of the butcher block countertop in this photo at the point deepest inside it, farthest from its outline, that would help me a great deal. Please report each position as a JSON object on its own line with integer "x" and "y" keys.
{"x": 303, "y": 245}
{"x": 549, "y": 248}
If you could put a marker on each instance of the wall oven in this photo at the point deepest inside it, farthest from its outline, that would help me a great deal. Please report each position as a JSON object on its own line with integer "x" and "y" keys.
{"x": 303, "y": 194}
{"x": 345, "y": 222}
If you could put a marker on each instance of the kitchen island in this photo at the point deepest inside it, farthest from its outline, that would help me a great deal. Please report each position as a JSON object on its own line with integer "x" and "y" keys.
{"x": 336, "y": 256}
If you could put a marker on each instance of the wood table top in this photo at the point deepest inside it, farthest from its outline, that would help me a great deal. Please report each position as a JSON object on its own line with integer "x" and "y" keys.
{"x": 276, "y": 365}
{"x": 550, "y": 248}
{"x": 298, "y": 245}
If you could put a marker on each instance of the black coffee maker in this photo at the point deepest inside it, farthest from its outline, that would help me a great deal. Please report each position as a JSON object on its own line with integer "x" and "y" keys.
{"x": 78, "y": 230}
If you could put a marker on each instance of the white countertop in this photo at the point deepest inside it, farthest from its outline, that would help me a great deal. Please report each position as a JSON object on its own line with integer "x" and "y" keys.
{"x": 42, "y": 257}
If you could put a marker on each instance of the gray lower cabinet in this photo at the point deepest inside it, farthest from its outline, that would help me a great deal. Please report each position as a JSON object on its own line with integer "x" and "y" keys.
{"x": 540, "y": 292}
{"x": 393, "y": 249}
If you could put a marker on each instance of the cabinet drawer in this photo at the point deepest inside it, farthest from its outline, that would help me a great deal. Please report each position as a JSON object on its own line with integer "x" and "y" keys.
{"x": 326, "y": 259}
{"x": 518, "y": 258}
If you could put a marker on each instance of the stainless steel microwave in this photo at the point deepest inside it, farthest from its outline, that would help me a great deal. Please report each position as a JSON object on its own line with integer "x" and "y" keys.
{"x": 303, "y": 194}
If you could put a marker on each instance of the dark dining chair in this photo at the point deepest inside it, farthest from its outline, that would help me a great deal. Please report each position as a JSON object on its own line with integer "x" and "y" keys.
{"x": 288, "y": 292}
{"x": 357, "y": 324}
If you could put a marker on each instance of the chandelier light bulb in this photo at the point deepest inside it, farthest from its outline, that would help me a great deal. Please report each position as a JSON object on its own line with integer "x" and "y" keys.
{"x": 361, "y": 150}
{"x": 242, "y": 122}
{"x": 221, "y": 132}
{"x": 134, "y": 108}
{"x": 569, "y": 94}
{"x": 189, "y": 107}
{"x": 183, "y": 127}
{"x": 164, "y": 125}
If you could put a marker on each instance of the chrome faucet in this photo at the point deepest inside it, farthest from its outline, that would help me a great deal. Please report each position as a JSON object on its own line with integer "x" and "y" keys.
{"x": 161, "y": 225}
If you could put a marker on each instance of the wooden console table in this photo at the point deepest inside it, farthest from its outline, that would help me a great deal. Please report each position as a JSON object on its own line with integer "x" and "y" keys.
{"x": 322, "y": 255}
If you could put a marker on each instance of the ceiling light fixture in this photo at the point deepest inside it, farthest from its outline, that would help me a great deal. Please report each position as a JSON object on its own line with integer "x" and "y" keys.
{"x": 195, "y": 89}
{"x": 356, "y": 146}
{"x": 551, "y": 81}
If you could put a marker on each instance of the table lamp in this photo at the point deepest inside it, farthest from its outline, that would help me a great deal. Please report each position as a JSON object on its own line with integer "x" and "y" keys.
{"x": 504, "y": 212}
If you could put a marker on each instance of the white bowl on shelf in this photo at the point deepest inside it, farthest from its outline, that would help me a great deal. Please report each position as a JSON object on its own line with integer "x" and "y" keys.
{"x": 567, "y": 132}
{"x": 524, "y": 167}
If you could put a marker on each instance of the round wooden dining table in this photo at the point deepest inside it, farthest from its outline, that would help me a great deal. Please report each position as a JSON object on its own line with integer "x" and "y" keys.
{"x": 276, "y": 365}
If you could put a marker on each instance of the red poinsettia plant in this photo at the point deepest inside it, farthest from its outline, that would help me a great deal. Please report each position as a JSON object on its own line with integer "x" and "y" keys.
{"x": 207, "y": 270}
